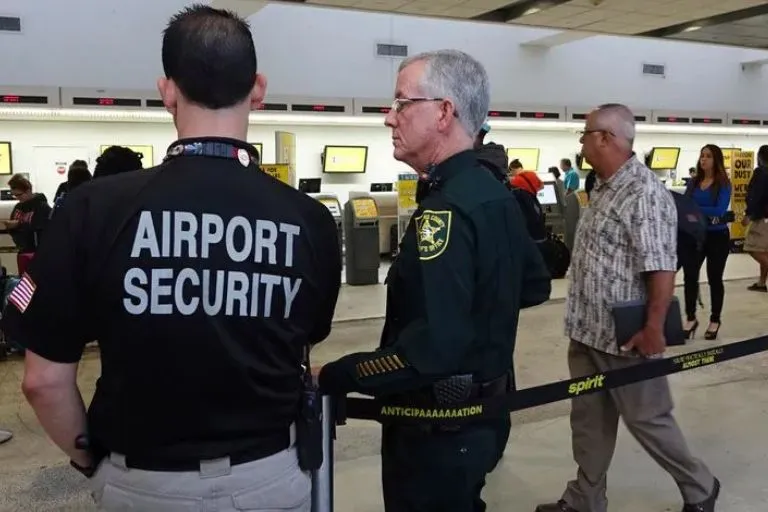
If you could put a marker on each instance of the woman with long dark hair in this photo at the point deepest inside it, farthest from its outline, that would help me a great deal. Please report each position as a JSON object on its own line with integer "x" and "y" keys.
{"x": 710, "y": 187}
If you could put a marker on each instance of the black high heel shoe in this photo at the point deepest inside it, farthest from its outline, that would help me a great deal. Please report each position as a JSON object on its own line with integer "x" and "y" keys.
{"x": 712, "y": 335}
{"x": 690, "y": 333}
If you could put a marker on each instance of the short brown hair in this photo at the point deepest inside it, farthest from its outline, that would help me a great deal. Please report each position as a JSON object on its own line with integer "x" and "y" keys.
{"x": 19, "y": 182}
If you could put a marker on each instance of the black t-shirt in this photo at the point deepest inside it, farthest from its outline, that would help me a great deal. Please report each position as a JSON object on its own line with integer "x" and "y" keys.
{"x": 218, "y": 278}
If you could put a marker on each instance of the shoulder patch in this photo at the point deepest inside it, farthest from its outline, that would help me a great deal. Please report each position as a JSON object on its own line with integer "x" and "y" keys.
{"x": 433, "y": 232}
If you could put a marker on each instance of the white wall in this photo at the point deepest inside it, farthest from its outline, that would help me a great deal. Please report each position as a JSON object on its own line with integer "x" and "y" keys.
{"x": 302, "y": 53}
{"x": 27, "y": 135}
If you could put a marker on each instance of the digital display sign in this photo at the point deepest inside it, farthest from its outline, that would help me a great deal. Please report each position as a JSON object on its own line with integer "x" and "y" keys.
{"x": 155, "y": 104}
{"x": 15, "y": 99}
{"x": 662, "y": 159}
{"x": 674, "y": 119}
{"x": 508, "y": 114}
{"x": 579, "y": 117}
{"x": 345, "y": 159}
{"x": 529, "y": 157}
{"x": 106, "y": 102}
{"x": 273, "y": 107}
{"x": 6, "y": 162}
{"x": 376, "y": 110}
{"x": 539, "y": 115}
{"x": 301, "y": 107}
{"x": 706, "y": 120}
{"x": 746, "y": 122}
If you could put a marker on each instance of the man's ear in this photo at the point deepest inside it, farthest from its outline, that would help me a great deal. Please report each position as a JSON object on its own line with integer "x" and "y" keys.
{"x": 259, "y": 91}
{"x": 168, "y": 93}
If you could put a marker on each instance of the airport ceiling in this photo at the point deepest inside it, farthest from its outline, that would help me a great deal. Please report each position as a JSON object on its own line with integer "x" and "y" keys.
{"x": 730, "y": 22}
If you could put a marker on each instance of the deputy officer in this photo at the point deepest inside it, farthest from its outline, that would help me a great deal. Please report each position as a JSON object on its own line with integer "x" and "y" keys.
{"x": 454, "y": 291}
{"x": 202, "y": 279}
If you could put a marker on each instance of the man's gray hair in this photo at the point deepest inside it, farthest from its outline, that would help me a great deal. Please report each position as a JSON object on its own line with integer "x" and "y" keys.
{"x": 619, "y": 120}
{"x": 455, "y": 75}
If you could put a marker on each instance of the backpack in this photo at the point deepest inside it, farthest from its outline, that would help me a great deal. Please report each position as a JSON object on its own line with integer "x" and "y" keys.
{"x": 556, "y": 256}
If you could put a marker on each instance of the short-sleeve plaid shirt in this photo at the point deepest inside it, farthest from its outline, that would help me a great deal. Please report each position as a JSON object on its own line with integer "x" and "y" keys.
{"x": 629, "y": 228}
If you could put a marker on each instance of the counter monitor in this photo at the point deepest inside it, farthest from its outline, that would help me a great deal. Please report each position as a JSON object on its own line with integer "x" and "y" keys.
{"x": 547, "y": 195}
{"x": 582, "y": 162}
{"x": 529, "y": 157}
{"x": 662, "y": 159}
{"x": 382, "y": 187}
{"x": 345, "y": 159}
{"x": 310, "y": 185}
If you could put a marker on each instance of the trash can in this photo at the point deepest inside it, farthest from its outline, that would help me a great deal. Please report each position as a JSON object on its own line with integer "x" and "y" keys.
{"x": 361, "y": 241}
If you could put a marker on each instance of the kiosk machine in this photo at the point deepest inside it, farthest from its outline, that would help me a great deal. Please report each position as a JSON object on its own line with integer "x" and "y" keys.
{"x": 361, "y": 243}
{"x": 334, "y": 206}
{"x": 562, "y": 213}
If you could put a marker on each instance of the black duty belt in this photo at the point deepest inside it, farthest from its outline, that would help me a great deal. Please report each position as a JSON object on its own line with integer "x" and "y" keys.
{"x": 483, "y": 409}
{"x": 266, "y": 447}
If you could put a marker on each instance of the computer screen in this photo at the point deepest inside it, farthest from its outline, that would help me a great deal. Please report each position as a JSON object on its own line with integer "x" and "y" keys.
{"x": 310, "y": 185}
{"x": 529, "y": 157}
{"x": 382, "y": 187}
{"x": 547, "y": 195}
{"x": 345, "y": 159}
{"x": 662, "y": 159}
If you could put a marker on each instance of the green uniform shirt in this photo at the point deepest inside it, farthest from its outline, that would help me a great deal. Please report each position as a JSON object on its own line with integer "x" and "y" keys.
{"x": 466, "y": 267}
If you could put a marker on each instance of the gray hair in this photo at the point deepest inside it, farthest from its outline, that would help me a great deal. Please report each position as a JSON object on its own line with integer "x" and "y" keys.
{"x": 457, "y": 76}
{"x": 619, "y": 120}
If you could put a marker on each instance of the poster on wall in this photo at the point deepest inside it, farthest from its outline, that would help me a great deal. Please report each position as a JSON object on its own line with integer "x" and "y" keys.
{"x": 147, "y": 152}
{"x": 281, "y": 172}
{"x": 6, "y": 160}
{"x": 743, "y": 164}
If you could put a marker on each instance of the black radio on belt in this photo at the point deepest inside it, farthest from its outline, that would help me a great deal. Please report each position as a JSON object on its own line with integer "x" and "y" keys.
{"x": 309, "y": 424}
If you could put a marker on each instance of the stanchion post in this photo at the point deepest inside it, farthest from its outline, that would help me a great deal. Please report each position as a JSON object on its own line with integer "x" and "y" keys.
{"x": 322, "y": 479}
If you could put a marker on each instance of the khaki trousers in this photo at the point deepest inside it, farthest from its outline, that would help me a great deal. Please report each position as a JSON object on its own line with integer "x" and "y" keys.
{"x": 272, "y": 483}
{"x": 646, "y": 408}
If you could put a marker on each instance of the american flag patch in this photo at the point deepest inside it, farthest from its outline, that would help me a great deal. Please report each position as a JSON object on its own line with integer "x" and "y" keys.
{"x": 22, "y": 294}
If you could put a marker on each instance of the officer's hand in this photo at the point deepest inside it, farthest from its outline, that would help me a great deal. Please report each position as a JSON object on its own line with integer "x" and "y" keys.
{"x": 745, "y": 221}
{"x": 649, "y": 342}
{"x": 315, "y": 372}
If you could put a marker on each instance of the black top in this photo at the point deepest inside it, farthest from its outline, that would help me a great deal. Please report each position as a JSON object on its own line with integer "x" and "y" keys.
{"x": 218, "y": 277}
{"x": 757, "y": 195}
{"x": 535, "y": 220}
{"x": 33, "y": 217}
{"x": 465, "y": 268}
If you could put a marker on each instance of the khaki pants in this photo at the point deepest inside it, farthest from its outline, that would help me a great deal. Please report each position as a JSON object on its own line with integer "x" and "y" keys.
{"x": 646, "y": 408}
{"x": 272, "y": 483}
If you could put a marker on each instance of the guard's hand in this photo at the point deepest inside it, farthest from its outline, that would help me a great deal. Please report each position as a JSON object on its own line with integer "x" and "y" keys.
{"x": 315, "y": 372}
{"x": 649, "y": 342}
{"x": 745, "y": 221}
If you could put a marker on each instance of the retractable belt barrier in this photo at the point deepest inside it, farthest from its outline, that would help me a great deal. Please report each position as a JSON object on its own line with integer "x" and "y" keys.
{"x": 494, "y": 407}
{"x": 337, "y": 410}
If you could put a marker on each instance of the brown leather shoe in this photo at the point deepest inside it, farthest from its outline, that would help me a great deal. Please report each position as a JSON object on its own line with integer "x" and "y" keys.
{"x": 707, "y": 505}
{"x": 560, "y": 506}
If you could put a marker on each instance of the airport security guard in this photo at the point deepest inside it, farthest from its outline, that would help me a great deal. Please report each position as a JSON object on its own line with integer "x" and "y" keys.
{"x": 465, "y": 268}
{"x": 203, "y": 281}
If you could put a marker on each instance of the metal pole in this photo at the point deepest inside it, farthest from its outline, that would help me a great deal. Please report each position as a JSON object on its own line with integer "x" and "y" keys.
{"x": 322, "y": 479}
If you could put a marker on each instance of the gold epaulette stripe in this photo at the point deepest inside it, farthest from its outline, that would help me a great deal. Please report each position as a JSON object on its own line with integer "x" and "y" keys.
{"x": 379, "y": 365}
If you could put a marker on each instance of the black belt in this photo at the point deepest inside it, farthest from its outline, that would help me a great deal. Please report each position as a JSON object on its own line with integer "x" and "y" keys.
{"x": 267, "y": 446}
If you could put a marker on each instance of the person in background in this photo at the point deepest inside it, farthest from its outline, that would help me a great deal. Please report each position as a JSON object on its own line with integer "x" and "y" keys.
{"x": 116, "y": 160}
{"x": 515, "y": 166}
{"x": 29, "y": 219}
{"x": 756, "y": 217}
{"x": 80, "y": 169}
{"x": 555, "y": 172}
{"x": 76, "y": 176}
{"x": 711, "y": 189}
{"x": 492, "y": 156}
{"x": 571, "y": 180}
{"x": 589, "y": 183}
{"x": 625, "y": 250}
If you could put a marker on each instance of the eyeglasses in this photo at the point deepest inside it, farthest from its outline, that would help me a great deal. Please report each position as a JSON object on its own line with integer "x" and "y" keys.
{"x": 400, "y": 103}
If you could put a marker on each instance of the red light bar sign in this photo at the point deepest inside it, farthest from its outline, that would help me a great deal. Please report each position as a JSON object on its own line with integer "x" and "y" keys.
{"x": 19, "y": 99}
